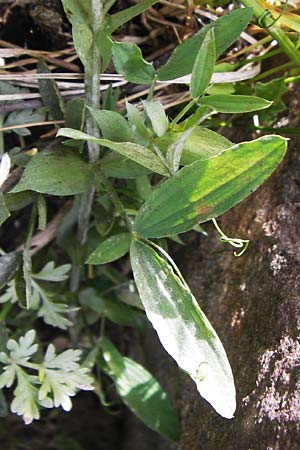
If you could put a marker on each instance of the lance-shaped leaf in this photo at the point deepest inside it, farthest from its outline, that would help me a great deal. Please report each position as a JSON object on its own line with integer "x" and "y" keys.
{"x": 141, "y": 392}
{"x": 182, "y": 328}
{"x": 204, "y": 65}
{"x": 227, "y": 103}
{"x": 111, "y": 249}
{"x": 137, "y": 153}
{"x": 113, "y": 125}
{"x": 227, "y": 29}
{"x": 206, "y": 189}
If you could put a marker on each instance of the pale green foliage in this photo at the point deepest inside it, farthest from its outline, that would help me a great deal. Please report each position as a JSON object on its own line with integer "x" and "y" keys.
{"x": 42, "y": 299}
{"x": 58, "y": 377}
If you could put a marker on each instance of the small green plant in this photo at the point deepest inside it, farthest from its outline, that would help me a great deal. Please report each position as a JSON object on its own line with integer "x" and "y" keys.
{"x": 142, "y": 178}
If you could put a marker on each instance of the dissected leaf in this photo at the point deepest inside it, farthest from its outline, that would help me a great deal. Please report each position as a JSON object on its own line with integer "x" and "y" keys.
{"x": 111, "y": 249}
{"x": 204, "y": 65}
{"x": 227, "y": 29}
{"x": 227, "y": 103}
{"x": 206, "y": 189}
{"x": 128, "y": 61}
{"x": 56, "y": 173}
{"x": 137, "y": 153}
{"x": 141, "y": 392}
{"x": 182, "y": 328}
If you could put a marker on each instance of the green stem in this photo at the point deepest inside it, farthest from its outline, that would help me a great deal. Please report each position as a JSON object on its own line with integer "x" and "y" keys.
{"x": 183, "y": 112}
{"x": 115, "y": 199}
{"x": 267, "y": 21}
{"x": 267, "y": 73}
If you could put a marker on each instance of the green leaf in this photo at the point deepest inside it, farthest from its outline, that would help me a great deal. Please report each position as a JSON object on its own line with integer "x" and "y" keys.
{"x": 128, "y": 61}
{"x": 56, "y": 173}
{"x": 4, "y": 212}
{"x": 113, "y": 125}
{"x": 206, "y": 189}
{"x": 202, "y": 143}
{"x": 182, "y": 328}
{"x": 111, "y": 249}
{"x": 137, "y": 153}
{"x": 141, "y": 392}
{"x": 156, "y": 113}
{"x": 227, "y": 103}
{"x": 24, "y": 116}
{"x": 20, "y": 200}
{"x": 50, "y": 93}
{"x": 203, "y": 68}
{"x": 74, "y": 116}
{"x": 118, "y": 166}
{"x": 227, "y": 29}
{"x": 140, "y": 132}
{"x": 79, "y": 14}
{"x": 174, "y": 151}
{"x": 117, "y": 20}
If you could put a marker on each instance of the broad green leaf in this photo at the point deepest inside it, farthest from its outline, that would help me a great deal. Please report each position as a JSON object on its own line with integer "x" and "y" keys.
{"x": 137, "y": 153}
{"x": 118, "y": 166}
{"x": 56, "y": 173}
{"x": 156, "y": 113}
{"x": 227, "y": 103}
{"x": 117, "y": 20}
{"x": 4, "y": 212}
{"x": 206, "y": 189}
{"x": 8, "y": 267}
{"x": 128, "y": 61}
{"x": 113, "y": 125}
{"x": 227, "y": 29}
{"x": 50, "y": 93}
{"x": 203, "y": 68}
{"x": 141, "y": 392}
{"x": 111, "y": 249}
{"x": 182, "y": 328}
{"x": 202, "y": 143}
{"x": 143, "y": 187}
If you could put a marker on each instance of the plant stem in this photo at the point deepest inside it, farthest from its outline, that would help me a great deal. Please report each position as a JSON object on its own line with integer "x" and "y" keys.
{"x": 266, "y": 20}
{"x": 115, "y": 199}
{"x": 183, "y": 112}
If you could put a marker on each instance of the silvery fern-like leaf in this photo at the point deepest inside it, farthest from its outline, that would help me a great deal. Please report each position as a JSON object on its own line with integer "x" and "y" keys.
{"x": 59, "y": 377}
{"x": 51, "y": 273}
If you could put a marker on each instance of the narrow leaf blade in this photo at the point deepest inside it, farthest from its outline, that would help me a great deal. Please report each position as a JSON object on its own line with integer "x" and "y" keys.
{"x": 204, "y": 65}
{"x": 227, "y": 103}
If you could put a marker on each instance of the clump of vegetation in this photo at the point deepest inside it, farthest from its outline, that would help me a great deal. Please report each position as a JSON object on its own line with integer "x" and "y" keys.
{"x": 129, "y": 181}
